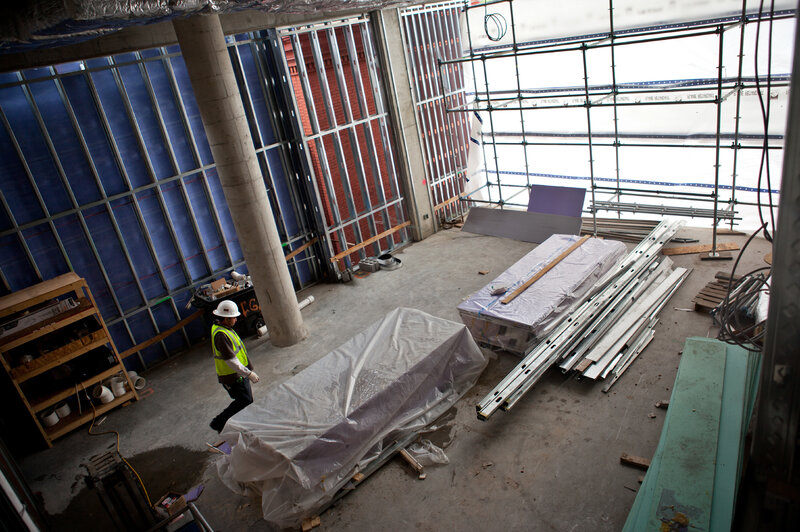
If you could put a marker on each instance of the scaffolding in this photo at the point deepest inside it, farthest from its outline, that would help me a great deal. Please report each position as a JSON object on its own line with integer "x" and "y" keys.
{"x": 510, "y": 153}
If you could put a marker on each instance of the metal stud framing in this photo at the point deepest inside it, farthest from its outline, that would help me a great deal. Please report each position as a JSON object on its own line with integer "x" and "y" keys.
{"x": 346, "y": 133}
{"x": 431, "y": 33}
{"x": 524, "y": 100}
{"x": 141, "y": 127}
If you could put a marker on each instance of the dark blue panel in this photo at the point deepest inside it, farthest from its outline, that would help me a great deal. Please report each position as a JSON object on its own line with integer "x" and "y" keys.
{"x": 157, "y": 150}
{"x": 170, "y": 111}
{"x": 8, "y": 77}
{"x": 111, "y": 253}
{"x": 143, "y": 330}
{"x": 157, "y": 228}
{"x": 84, "y": 263}
{"x": 91, "y": 125}
{"x": 212, "y": 241}
{"x": 181, "y": 220}
{"x": 36, "y": 73}
{"x": 224, "y": 214}
{"x": 192, "y": 111}
{"x": 45, "y": 251}
{"x": 14, "y": 183}
{"x": 14, "y": 263}
{"x": 282, "y": 192}
{"x": 123, "y": 132}
{"x": 66, "y": 68}
{"x": 65, "y": 141}
{"x": 136, "y": 243}
{"x": 256, "y": 95}
{"x": 165, "y": 318}
{"x": 34, "y": 149}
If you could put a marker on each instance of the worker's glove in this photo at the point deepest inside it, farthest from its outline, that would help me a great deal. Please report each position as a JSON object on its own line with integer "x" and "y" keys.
{"x": 253, "y": 377}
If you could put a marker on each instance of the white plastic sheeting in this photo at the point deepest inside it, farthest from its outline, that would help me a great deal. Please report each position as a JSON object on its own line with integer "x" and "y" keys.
{"x": 303, "y": 440}
{"x": 516, "y": 325}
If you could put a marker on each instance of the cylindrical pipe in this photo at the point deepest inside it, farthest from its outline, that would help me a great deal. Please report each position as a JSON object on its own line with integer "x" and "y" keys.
{"x": 217, "y": 93}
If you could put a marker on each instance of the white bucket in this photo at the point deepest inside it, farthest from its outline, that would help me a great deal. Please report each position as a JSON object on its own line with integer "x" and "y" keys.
{"x": 63, "y": 410}
{"x": 48, "y": 418}
{"x": 104, "y": 394}
{"x": 118, "y": 386}
{"x": 138, "y": 382}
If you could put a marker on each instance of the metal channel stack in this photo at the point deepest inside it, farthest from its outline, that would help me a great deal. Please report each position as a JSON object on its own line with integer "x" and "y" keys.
{"x": 606, "y": 330}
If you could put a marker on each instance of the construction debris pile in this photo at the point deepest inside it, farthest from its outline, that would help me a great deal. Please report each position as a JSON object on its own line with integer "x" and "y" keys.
{"x": 602, "y": 333}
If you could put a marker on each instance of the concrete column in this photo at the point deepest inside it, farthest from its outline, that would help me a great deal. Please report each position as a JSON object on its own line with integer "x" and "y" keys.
{"x": 400, "y": 101}
{"x": 206, "y": 55}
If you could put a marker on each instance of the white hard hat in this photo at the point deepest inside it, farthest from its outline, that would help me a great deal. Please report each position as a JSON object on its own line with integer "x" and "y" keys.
{"x": 227, "y": 309}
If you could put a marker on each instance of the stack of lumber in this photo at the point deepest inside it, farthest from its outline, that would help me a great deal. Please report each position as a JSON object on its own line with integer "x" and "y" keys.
{"x": 693, "y": 478}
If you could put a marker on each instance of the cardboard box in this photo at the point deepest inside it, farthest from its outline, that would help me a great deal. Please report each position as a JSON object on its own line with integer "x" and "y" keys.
{"x": 170, "y": 504}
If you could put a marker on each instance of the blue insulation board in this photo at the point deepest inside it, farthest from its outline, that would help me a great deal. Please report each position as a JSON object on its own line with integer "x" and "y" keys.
{"x": 126, "y": 129}
{"x": 694, "y": 475}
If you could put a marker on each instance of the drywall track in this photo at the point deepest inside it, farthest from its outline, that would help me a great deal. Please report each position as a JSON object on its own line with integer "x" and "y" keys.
{"x": 578, "y": 330}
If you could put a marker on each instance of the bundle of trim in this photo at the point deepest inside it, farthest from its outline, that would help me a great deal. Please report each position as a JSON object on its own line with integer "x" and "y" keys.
{"x": 593, "y": 328}
{"x": 508, "y": 315}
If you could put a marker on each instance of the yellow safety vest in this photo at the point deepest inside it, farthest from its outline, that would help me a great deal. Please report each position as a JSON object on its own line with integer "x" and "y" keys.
{"x": 238, "y": 349}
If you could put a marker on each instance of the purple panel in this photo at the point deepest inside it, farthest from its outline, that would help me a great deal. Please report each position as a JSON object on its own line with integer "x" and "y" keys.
{"x": 564, "y": 201}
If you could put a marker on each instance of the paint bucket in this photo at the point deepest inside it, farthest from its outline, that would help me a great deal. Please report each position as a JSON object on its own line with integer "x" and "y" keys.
{"x": 261, "y": 331}
{"x": 63, "y": 410}
{"x": 118, "y": 386}
{"x": 104, "y": 394}
{"x": 48, "y": 418}
{"x": 138, "y": 382}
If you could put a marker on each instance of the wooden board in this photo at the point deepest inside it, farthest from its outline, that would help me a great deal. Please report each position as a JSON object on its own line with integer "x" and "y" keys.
{"x": 301, "y": 249}
{"x": 160, "y": 336}
{"x": 634, "y": 461}
{"x": 700, "y": 248}
{"x": 508, "y": 299}
{"x": 33, "y": 295}
{"x": 367, "y": 242}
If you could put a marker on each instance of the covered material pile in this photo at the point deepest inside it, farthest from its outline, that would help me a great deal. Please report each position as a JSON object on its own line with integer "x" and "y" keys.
{"x": 516, "y": 326}
{"x": 308, "y": 436}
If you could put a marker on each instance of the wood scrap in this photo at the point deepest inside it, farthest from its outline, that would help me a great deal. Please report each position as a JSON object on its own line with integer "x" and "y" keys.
{"x": 483, "y": 272}
{"x": 544, "y": 270}
{"x": 416, "y": 466}
{"x": 358, "y": 477}
{"x": 311, "y": 522}
{"x": 700, "y": 248}
{"x": 662, "y": 404}
{"x": 634, "y": 461}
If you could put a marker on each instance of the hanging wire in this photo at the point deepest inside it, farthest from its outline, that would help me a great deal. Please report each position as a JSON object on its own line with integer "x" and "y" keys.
{"x": 763, "y": 169}
{"x": 494, "y": 24}
{"x": 736, "y": 314}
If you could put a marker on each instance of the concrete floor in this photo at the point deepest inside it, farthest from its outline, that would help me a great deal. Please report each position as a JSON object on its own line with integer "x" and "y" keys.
{"x": 552, "y": 463}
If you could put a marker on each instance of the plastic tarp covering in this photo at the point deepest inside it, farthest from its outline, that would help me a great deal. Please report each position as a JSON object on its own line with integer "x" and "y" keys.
{"x": 304, "y": 439}
{"x": 516, "y": 325}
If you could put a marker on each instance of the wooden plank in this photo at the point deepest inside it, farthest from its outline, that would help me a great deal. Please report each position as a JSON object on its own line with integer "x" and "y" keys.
{"x": 62, "y": 319}
{"x": 157, "y": 338}
{"x": 51, "y": 360}
{"x": 634, "y": 461}
{"x": 416, "y": 466}
{"x": 725, "y": 276}
{"x": 369, "y": 241}
{"x": 301, "y": 249}
{"x": 544, "y": 270}
{"x": 445, "y": 203}
{"x": 75, "y": 420}
{"x": 33, "y": 295}
{"x": 311, "y": 522}
{"x": 41, "y": 404}
{"x": 700, "y": 248}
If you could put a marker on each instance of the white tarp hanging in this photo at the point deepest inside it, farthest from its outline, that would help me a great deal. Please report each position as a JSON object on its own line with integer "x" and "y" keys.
{"x": 308, "y": 436}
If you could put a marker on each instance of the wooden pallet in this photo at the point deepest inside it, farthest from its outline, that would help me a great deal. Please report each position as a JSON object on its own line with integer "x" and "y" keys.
{"x": 713, "y": 293}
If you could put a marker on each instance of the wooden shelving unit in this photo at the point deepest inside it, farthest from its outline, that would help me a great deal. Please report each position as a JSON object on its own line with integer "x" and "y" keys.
{"x": 67, "y": 350}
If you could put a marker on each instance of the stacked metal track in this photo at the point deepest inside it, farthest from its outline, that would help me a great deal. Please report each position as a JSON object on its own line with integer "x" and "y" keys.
{"x": 609, "y": 327}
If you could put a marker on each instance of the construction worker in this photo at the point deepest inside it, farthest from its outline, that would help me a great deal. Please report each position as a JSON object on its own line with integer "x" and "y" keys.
{"x": 234, "y": 370}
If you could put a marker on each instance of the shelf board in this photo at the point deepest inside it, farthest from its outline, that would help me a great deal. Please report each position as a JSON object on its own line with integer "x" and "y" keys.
{"x": 84, "y": 309}
{"x": 21, "y": 376}
{"x": 33, "y": 295}
{"x": 69, "y": 392}
{"x": 75, "y": 420}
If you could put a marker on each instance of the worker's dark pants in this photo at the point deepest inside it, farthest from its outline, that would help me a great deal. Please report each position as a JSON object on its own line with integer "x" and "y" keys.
{"x": 242, "y": 396}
